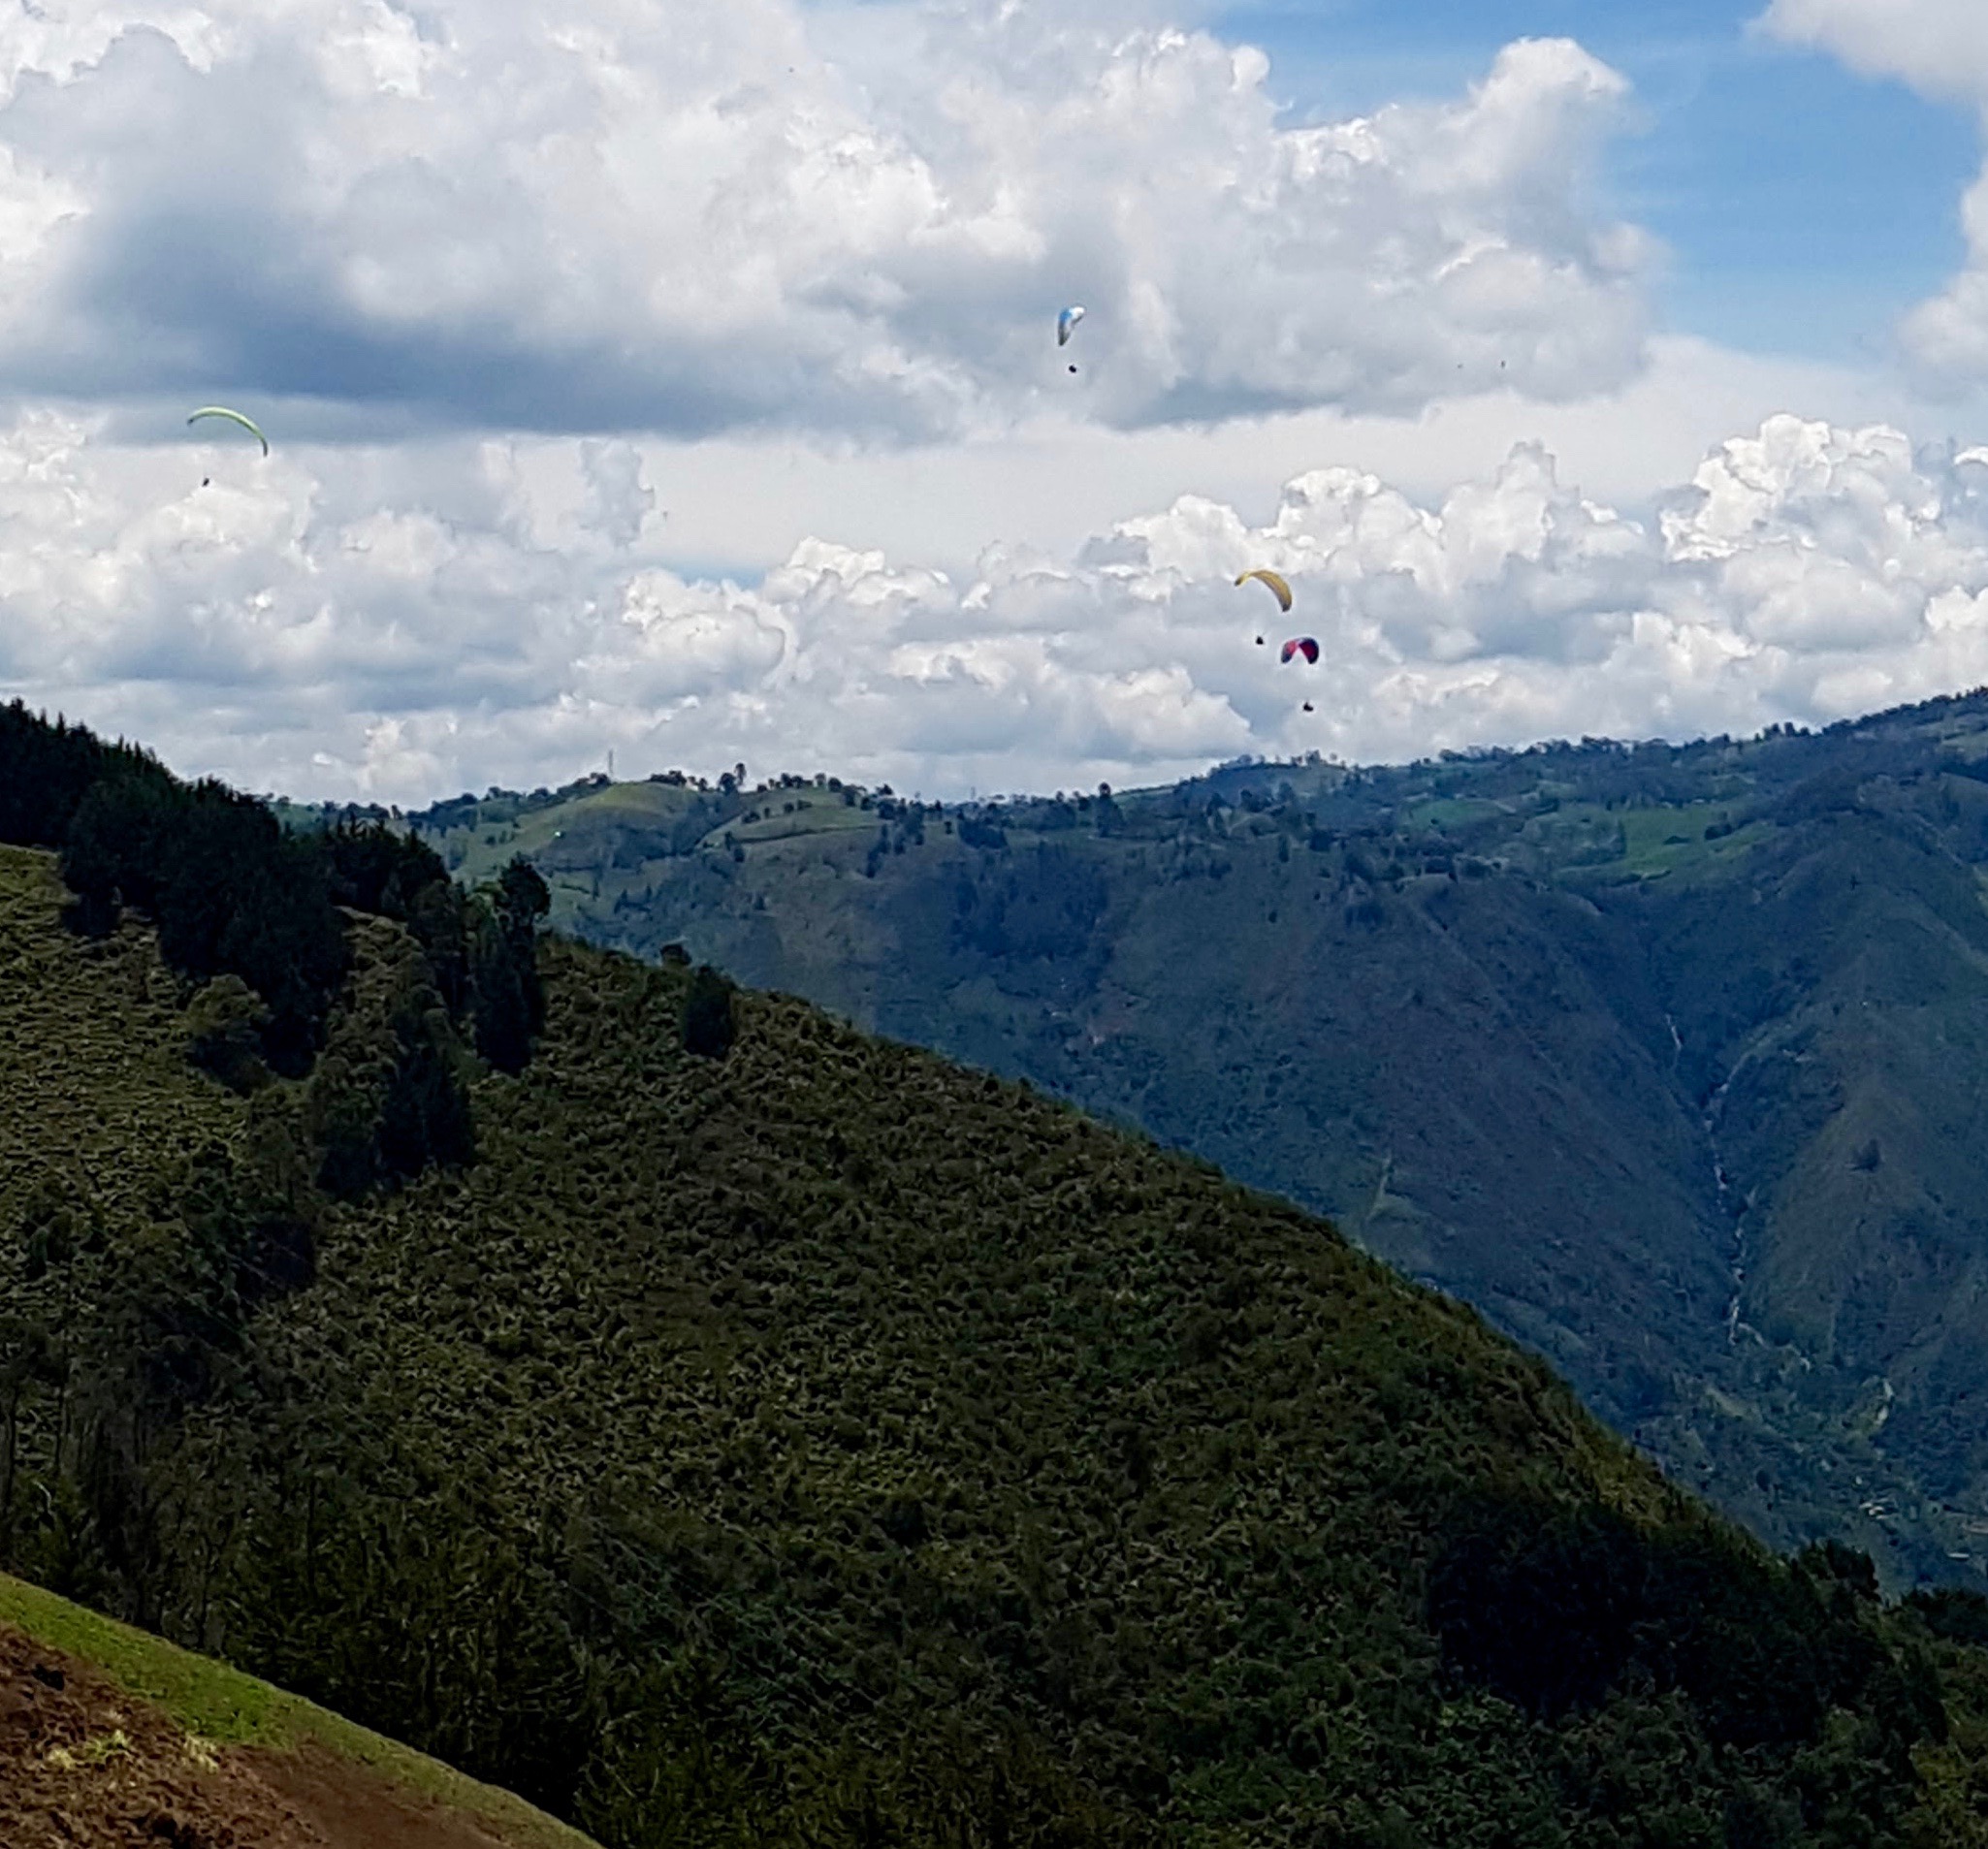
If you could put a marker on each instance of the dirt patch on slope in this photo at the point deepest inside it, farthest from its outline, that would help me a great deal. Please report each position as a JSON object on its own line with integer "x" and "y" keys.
{"x": 85, "y": 1765}
{"x": 350, "y": 1806}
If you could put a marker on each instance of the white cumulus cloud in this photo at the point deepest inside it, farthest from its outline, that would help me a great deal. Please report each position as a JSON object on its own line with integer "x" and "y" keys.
{"x": 345, "y": 624}
{"x": 735, "y": 214}
{"x": 1937, "y": 46}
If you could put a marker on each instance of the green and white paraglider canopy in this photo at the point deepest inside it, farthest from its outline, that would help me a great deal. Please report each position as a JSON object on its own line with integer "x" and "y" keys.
{"x": 234, "y": 416}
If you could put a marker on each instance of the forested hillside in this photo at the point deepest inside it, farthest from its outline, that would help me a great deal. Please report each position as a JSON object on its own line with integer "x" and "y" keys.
{"x": 1668, "y": 1058}
{"x": 746, "y": 1430}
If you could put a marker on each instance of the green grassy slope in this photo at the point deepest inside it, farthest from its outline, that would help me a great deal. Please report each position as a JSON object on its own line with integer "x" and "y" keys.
{"x": 216, "y": 1704}
{"x": 1481, "y": 1011}
{"x": 835, "y": 1445}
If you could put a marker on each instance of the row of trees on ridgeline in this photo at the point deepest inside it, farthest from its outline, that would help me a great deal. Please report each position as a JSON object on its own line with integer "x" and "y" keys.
{"x": 261, "y": 924}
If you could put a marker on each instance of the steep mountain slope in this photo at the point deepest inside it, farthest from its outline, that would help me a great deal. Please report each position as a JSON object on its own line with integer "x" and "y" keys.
{"x": 1850, "y": 1040}
{"x": 1667, "y": 1058}
{"x": 823, "y": 1443}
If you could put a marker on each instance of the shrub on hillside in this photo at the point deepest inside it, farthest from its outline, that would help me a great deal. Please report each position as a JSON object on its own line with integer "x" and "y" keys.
{"x": 224, "y": 1028}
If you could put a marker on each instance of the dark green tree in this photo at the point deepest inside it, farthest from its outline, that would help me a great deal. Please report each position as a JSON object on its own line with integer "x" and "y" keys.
{"x": 509, "y": 1000}
{"x": 709, "y": 1027}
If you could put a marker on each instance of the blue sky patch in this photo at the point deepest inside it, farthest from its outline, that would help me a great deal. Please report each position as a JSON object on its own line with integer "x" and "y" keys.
{"x": 1805, "y": 208}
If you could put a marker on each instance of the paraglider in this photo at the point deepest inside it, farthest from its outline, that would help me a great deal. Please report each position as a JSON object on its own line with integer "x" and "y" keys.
{"x": 234, "y": 416}
{"x": 1305, "y": 646}
{"x": 1066, "y": 326}
{"x": 1278, "y": 588}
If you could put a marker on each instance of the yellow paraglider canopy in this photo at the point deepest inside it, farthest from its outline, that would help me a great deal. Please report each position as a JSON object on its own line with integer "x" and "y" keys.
{"x": 1278, "y": 588}
{"x": 247, "y": 424}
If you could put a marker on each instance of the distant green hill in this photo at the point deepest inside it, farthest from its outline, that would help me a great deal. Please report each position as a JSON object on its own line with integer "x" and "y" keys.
{"x": 1669, "y": 1059}
{"x": 828, "y": 1444}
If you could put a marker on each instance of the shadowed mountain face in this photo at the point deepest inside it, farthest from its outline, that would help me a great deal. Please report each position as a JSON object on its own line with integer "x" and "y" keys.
{"x": 1671, "y": 1060}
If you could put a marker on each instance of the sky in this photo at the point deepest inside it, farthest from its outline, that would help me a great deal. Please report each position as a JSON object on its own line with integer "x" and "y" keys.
{"x": 684, "y": 384}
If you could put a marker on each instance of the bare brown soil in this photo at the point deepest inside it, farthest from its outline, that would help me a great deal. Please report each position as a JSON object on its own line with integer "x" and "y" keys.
{"x": 85, "y": 1765}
